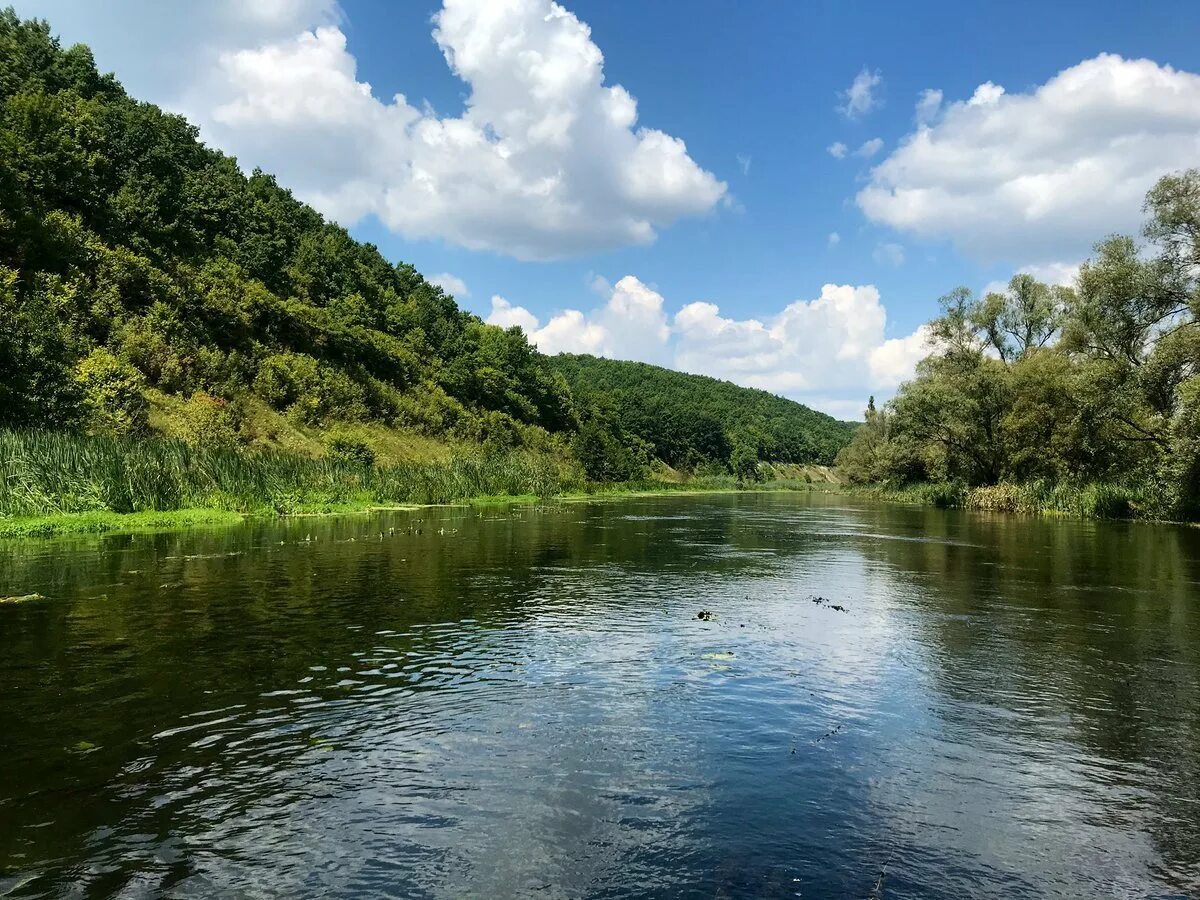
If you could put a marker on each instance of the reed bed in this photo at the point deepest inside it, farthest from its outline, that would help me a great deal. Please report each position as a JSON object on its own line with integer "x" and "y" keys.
{"x": 47, "y": 473}
{"x": 1092, "y": 500}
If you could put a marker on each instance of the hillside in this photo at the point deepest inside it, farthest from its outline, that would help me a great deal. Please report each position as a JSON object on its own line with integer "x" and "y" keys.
{"x": 687, "y": 417}
{"x": 148, "y": 285}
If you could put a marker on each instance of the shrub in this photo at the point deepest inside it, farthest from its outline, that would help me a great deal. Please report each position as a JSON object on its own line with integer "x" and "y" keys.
{"x": 744, "y": 461}
{"x": 207, "y": 421}
{"x": 113, "y": 394}
{"x": 351, "y": 449}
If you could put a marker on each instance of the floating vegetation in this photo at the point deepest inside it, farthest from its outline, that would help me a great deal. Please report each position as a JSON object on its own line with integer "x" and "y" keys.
{"x": 25, "y": 598}
{"x": 823, "y": 601}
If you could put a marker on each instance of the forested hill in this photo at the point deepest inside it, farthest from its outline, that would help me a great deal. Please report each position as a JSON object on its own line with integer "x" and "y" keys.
{"x": 682, "y": 415}
{"x": 133, "y": 256}
{"x": 141, "y": 271}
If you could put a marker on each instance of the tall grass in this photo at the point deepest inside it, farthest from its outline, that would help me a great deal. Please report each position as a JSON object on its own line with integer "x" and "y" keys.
{"x": 43, "y": 473}
{"x": 1093, "y": 500}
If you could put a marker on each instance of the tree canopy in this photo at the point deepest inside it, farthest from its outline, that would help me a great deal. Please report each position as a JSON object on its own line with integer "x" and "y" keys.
{"x": 1095, "y": 383}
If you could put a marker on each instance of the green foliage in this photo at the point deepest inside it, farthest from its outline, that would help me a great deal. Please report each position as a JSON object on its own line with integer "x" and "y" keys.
{"x": 207, "y": 421}
{"x": 55, "y": 472}
{"x": 113, "y": 394}
{"x": 744, "y": 459}
{"x": 350, "y": 449}
{"x": 688, "y": 419}
{"x": 604, "y": 456}
{"x": 1041, "y": 398}
{"x": 120, "y": 231}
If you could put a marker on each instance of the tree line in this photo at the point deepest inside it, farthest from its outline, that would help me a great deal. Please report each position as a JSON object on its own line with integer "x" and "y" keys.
{"x": 1096, "y": 383}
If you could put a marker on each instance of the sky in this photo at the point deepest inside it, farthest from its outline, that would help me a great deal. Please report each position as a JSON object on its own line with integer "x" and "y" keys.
{"x": 771, "y": 193}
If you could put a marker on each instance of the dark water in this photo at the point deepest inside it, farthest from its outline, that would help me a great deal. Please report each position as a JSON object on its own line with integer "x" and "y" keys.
{"x": 521, "y": 701}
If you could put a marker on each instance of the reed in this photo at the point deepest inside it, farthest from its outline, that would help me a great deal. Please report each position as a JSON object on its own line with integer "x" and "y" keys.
{"x": 1091, "y": 500}
{"x": 47, "y": 473}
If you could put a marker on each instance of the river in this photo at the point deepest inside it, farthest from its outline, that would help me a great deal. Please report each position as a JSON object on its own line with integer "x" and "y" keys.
{"x": 882, "y": 701}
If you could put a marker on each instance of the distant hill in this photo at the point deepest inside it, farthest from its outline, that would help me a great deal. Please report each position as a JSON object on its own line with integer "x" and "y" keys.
{"x": 688, "y": 418}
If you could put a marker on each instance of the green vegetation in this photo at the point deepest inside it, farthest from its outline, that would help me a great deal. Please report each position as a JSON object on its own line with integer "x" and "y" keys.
{"x": 1083, "y": 400}
{"x": 149, "y": 287}
{"x": 103, "y": 521}
{"x": 688, "y": 420}
{"x": 49, "y": 473}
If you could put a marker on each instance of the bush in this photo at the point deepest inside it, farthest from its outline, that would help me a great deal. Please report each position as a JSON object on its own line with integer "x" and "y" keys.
{"x": 206, "y": 421}
{"x": 113, "y": 394}
{"x": 744, "y": 461}
{"x": 603, "y": 457}
{"x": 351, "y": 449}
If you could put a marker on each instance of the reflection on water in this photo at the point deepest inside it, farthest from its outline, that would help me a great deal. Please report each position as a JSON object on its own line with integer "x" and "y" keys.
{"x": 522, "y": 700}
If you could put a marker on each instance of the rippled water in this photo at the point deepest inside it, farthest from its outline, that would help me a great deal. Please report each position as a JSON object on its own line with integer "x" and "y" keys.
{"x": 522, "y": 701}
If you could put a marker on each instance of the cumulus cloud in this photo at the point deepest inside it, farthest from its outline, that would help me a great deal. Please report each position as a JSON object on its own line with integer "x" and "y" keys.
{"x": 830, "y": 352}
{"x": 837, "y": 150}
{"x": 1037, "y": 177}
{"x": 861, "y": 97}
{"x": 545, "y": 161}
{"x": 869, "y": 148}
{"x": 928, "y": 104}
{"x": 451, "y": 284}
{"x": 744, "y": 160}
{"x": 834, "y": 239}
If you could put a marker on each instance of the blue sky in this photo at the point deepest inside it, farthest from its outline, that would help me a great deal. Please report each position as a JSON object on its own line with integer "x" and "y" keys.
{"x": 741, "y": 279}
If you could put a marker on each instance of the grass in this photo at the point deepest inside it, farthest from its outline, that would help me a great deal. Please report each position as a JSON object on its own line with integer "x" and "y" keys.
{"x": 52, "y": 473}
{"x": 103, "y": 521}
{"x": 62, "y": 483}
{"x": 1095, "y": 500}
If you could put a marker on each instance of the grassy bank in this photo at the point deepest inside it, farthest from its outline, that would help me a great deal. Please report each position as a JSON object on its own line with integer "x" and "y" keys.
{"x": 103, "y": 521}
{"x": 1096, "y": 500}
{"x": 49, "y": 473}
{"x": 59, "y": 483}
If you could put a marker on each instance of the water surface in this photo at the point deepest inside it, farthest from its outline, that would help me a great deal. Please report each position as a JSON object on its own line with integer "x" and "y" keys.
{"x": 521, "y": 700}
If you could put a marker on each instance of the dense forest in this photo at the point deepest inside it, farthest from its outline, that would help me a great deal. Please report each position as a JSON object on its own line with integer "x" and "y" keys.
{"x": 1085, "y": 397}
{"x": 689, "y": 418}
{"x": 141, "y": 269}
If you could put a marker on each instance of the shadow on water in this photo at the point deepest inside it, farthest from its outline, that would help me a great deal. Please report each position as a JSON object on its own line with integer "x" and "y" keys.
{"x": 522, "y": 699}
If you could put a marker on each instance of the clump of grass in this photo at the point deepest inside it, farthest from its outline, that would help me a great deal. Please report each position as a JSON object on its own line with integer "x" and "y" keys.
{"x": 53, "y": 473}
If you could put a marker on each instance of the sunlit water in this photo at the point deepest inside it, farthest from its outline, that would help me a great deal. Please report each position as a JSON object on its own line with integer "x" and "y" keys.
{"x": 521, "y": 700}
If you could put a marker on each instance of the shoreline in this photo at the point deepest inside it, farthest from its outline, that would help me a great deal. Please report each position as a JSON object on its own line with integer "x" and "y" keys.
{"x": 108, "y": 522}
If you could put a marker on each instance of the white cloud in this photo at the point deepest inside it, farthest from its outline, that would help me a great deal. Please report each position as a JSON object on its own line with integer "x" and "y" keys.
{"x": 545, "y": 161}
{"x": 834, "y": 239}
{"x": 860, "y": 98}
{"x": 630, "y": 325}
{"x": 451, "y": 284}
{"x": 1054, "y": 273}
{"x": 928, "y": 105}
{"x": 744, "y": 160}
{"x": 837, "y": 150}
{"x": 888, "y": 254}
{"x": 869, "y": 148}
{"x": 506, "y": 315}
{"x": 830, "y": 352}
{"x": 1040, "y": 176}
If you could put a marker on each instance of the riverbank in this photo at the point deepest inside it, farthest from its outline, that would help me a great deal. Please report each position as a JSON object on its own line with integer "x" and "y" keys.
{"x": 108, "y": 522}
{"x": 1096, "y": 500}
{"x": 63, "y": 483}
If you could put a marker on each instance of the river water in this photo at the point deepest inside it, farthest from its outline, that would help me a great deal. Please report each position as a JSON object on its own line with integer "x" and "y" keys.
{"x": 886, "y": 702}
